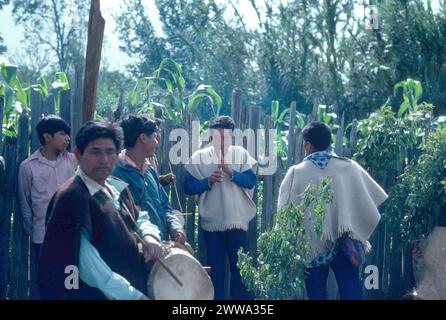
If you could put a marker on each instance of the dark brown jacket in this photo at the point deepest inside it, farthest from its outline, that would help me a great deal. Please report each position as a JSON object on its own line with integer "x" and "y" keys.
{"x": 111, "y": 233}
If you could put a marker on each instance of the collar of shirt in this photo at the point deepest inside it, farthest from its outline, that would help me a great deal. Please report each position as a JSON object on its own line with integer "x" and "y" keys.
{"x": 126, "y": 160}
{"x": 37, "y": 155}
{"x": 115, "y": 185}
{"x": 320, "y": 158}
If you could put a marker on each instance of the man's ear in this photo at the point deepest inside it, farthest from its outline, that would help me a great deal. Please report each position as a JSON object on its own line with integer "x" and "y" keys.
{"x": 142, "y": 137}
{"x": 47, "y": 137}
{"x": 77, "y": 153}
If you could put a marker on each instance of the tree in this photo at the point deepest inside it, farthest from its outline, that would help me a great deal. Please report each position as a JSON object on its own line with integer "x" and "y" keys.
{"x": 210, "y": 50}
{"x": 138, "y": 37}
{"x": 2, "y": 47}
{"x": 302, "y": 50}
{"x": 56, "y": 25}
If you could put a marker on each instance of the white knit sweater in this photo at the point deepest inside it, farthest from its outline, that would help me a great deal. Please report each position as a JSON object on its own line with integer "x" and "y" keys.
{"x": 356, "y": 197}
{"x": 226, "y": 206}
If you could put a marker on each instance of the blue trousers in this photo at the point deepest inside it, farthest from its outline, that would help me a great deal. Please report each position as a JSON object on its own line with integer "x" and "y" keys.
{"x": 218, "y": 245}
{"x": 34, "y": 261}
{"x": 347, "y": 277}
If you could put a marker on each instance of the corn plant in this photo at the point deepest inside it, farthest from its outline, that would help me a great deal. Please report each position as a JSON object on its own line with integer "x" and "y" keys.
{"x": 17, "y": 97}
{"x": 167, "y": 89}
{"x": 412, "y": 93}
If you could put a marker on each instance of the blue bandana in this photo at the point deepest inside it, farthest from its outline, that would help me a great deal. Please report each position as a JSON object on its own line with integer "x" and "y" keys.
{"x": 320, "y": 158}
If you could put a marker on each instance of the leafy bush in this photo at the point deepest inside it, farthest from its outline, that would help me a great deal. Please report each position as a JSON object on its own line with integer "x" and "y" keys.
{"x": 284, "y": 251}
{"x": 386, "y": 140}
{"x": 420, "y": 195}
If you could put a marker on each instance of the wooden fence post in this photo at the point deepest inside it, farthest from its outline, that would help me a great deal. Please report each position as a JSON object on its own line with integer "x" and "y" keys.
{"x": 20, "y": 241}
{"x": 190, "y": 208}
{"x": 76, "y": 103}
{"x": 5, "y": 220}
{"x": 299, "y": 150}
{"x": 49, "y": 105}
{"x": 2, "y": 108}
{"x": 236, "y": 107}
{"x": 268, "y": 200}
{"x": 36, "y": 113}
{"x": 291, "y": 135}
{"x": 254, "y": 124}
{"x": 339, "y": 149}
{"x": 65, "y": 105}
{"x": 10, "y": 156}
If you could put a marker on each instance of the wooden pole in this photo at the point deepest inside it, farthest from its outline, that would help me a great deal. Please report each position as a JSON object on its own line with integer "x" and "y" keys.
{"x": 254, "y": 124}
{"x": 292, "y": 135}
{"x": 76, "y": 103}
{"x": 2, "y": 107}
{"x": 96, "y": 25}
{"x": 36, "y": 113}
{"x": 236, "y": 107}
{"x": 10, "y": 156}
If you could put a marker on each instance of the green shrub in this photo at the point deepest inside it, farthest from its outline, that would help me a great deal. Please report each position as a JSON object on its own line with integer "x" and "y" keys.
{"x": 279, "y": 272}
{"x": 419, "y": 195}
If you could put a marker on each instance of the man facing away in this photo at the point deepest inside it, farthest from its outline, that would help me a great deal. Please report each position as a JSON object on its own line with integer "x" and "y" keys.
{"x": 349, "y": 220}
{"x": 95, "y": 229}
{"x": 39, "y": 177}
{"x": 223, "y": 177}
{"x": 141, "y": 137}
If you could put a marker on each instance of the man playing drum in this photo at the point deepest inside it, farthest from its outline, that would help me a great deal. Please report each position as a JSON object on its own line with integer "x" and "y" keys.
{"x": 94, "y": 228}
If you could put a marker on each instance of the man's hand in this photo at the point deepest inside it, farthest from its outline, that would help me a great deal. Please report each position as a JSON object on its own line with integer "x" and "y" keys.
{"x": 226, "y": 169}
{"x": 178, "y": 235}
{"x": 151, "y": 249}
{"x": 168, "y": 179}
{"x": 216, "y": 176}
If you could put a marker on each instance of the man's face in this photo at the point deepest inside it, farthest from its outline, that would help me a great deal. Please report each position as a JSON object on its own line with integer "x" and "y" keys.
{"x": 59, "y": 141}
{"x": 222, "y": 138}
{"x": 98, "y": 159}
{"x": 151, "y": 142}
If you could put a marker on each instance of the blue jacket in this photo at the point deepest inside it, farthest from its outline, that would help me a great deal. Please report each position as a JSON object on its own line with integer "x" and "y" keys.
{"x": 150, "y": 196}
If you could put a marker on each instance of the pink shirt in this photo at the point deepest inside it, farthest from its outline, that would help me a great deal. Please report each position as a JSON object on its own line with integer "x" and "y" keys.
{"x": 39, "y": 179}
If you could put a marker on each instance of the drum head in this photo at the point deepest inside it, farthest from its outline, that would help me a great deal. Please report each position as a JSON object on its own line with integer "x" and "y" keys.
{"x": 196, "y": 283}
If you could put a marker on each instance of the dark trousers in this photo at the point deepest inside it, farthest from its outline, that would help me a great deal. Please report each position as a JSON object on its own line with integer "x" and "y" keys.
{"x": 34, "y": 260}
{"x": 218, "y": 245}
{"x": 347, "y": 277}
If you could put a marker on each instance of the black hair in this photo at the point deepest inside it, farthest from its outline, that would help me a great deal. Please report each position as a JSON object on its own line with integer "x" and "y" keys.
{"x": 222, "y": 122}
{"x": 93, "y": 130}
{"x": 318, "y": 134}
{"x": 134, "y": 125}
{"x": 158, "y": 122}
{"x": 51, "y": 124}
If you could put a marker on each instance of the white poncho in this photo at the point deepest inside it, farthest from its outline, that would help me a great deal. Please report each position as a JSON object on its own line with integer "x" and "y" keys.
{"x": 226, "y": 206}
{"x": 356, "y": 197}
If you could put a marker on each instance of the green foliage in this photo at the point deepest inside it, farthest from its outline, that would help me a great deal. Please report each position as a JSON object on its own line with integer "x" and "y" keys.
{"x": 412, "y": 92}
{"x": 386, "y": 140}
{"x": 166, "y": 89}
{"x": 418, "y": 198}
{"x": 17, "y": 96}
{"x": 284, "y": 251}
{"x": 295, "y": 50}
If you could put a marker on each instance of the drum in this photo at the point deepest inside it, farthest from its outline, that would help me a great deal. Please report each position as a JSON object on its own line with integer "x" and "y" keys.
{"x": 177, "y": 275}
